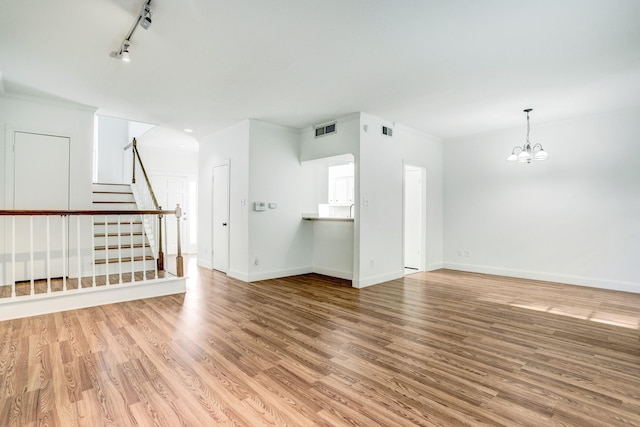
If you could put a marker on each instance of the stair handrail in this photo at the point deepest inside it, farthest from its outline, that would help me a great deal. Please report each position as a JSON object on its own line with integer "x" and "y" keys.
{"x": 136, "y": 154}
{"x": 92, "y": 212}
{"x": 154, "y": 200}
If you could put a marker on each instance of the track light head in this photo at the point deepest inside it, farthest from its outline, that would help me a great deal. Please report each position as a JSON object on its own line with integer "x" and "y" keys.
{"x": 124, "y": 55}
{"x": 145, "y": 17}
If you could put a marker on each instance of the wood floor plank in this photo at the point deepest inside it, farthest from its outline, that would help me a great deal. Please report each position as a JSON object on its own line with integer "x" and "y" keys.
{"x": 442, "y": 348}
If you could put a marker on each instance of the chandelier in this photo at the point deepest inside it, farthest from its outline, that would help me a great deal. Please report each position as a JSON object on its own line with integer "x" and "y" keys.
{"x": 527, "y": 152}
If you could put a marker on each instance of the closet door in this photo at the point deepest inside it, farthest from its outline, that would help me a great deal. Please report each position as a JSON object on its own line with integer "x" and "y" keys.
{"x": 40, "y": 182}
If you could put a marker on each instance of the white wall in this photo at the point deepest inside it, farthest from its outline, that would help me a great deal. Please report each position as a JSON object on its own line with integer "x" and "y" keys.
{"x": 279, "y": 237}
{"x": 168, "y": 151}
{"x": 40, "y": 115}
{"x": 230, "y": 144}
{"x": 573, "y": 219}
{"x": 382, "y": 160}
{"x": 113, "y": 136}
{"x": 345, "y": 140}
{"x": 53, "y": 117}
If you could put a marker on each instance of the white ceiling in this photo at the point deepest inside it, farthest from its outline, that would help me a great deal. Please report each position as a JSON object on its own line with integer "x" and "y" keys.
{"x": 447, "y": 68}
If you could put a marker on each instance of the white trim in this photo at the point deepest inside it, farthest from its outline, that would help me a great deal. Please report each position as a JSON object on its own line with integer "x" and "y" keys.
{"x": 89, "y": 297}
{"x": 276, "y": 274}
{"x": 616, "y": 285}
{"x": 341, "y": 274}
{"x": 375, "y": 280}
{"x": 202, "y": 262}
{"x": 238, "y": 275}
{"x": 435, "y": 266}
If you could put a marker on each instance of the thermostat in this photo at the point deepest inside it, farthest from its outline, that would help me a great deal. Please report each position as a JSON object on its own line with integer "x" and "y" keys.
{"x": 259, "y": 206}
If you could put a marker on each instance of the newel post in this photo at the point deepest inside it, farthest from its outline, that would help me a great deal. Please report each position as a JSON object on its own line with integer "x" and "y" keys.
{"x": 160, "y": 253}
{"x": 179, "y": 265}
{"x": 133, "y": 166}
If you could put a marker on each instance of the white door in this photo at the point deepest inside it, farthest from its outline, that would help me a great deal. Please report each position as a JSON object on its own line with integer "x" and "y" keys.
{"x": 171, "y": 190}
{"x": 220, "y": 224}
{"x": 412, "y": 218}
{"x": 41, "y": 182}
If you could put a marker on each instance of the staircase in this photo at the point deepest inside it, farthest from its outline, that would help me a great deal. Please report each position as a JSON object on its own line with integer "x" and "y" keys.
{"x": 113, "y": 244}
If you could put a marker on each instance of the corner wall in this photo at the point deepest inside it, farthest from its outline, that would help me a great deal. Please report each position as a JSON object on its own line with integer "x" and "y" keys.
{"x": 572, "y": 219}
{"x": 279, "y": 239}
{"x": 231, "y": 144}
{"x": 380, "y": 203}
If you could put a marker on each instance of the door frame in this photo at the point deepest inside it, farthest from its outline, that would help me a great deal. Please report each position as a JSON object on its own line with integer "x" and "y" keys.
{"x": 9, "y": 187}
{"x": 226, "y": 163}
{"x": 423, "y": 214}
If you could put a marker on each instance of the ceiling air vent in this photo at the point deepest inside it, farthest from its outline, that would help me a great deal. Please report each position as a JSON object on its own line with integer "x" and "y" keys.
{"x": 387, "y": 131}
{"x": 326, "y": 129}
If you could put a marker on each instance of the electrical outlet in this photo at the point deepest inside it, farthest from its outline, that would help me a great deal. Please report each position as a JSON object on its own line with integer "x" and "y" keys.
{"x": 459, "y": 252}
{"x": 372, "y": 263}
{"x": 256, "y": 261}
{"x": 467, "y": 253}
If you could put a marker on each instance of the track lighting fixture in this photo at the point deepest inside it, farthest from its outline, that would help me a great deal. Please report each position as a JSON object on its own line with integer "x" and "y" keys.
{"x": 144, "y": 19}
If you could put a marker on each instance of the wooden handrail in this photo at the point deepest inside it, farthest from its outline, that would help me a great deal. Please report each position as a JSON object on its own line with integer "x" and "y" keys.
{"x": 136, "y": 153}
{"x": 22, "y": 212}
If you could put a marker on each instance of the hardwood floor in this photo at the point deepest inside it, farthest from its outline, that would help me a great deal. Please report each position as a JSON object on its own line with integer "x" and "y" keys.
{"x": 442, "y": 348}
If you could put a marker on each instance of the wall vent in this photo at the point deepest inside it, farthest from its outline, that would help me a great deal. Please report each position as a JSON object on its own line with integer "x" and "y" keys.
{"x": 326, "y": 129}
{"x": 387, "y": 131}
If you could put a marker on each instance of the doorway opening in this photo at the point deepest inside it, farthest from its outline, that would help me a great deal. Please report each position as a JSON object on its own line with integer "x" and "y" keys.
{"x": 414, "y": 219}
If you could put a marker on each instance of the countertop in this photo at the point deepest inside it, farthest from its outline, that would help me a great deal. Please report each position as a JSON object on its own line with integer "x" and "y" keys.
{"x": 315, "y": 217}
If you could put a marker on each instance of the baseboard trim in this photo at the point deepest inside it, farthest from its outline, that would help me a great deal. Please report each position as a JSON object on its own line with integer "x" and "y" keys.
{"x": 615, "y": 285}
{"x": 204, "y": 263}
{"x": 340, "y": 274}
{"x": 376, "y": 280}
{"x": 276, "y": 274}
{"x": 89, "y": 297}
{"x": 433, "y": 267}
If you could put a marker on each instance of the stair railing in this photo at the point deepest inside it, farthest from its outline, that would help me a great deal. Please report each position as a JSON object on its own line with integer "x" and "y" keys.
{"x": 48, "y": 252}
{"x": 146, "y": 199}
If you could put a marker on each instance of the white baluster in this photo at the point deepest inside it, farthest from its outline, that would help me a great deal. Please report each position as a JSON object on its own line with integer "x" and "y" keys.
{"x": 93, "y": 251}
{"x": 13, "y": 257}
{"x": 64, "y": 255}
{"x": 144, "y": 265}
{"x": 106, "y": 248}
{"x": 119, "y": 250}
{"x": 131, "y": 218}
{"x": 31, "y": 252}
{"x": 78, "y": 252}
{"x": 48, "y": 254}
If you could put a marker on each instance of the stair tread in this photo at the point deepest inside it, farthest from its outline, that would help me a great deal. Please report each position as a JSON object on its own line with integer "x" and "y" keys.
{"x": 125, "y": 259}
{"x": 122, "y": 223}
{"x": 127, "y": 246}
{"x": 109, "y": 183}
{"x": 112, "y": 192}
{"x": 135, "y": 233}
{"x": 115, "y": 202}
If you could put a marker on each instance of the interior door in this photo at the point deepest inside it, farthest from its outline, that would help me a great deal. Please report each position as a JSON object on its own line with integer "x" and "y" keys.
{"x": 220, "y": 224}
{"x": 412, "y": 218}
{"x": 171, "y": 190}
{"x": 41, "y": 182}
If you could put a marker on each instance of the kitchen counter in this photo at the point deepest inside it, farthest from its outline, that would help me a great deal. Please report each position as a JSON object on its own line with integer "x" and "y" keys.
{"x": 315, "y": 217}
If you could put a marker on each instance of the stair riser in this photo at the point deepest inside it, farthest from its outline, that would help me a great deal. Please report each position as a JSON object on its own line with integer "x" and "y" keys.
{"x": 123, "y": 240}
{"x": 115, "y": 206}
{"x": 112, "y": 187}
{"x": 125, "y": 228}
{"x": 124, "y": 253}
{"x": 114, "y": 268}
{"x": 112, "y": 197}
